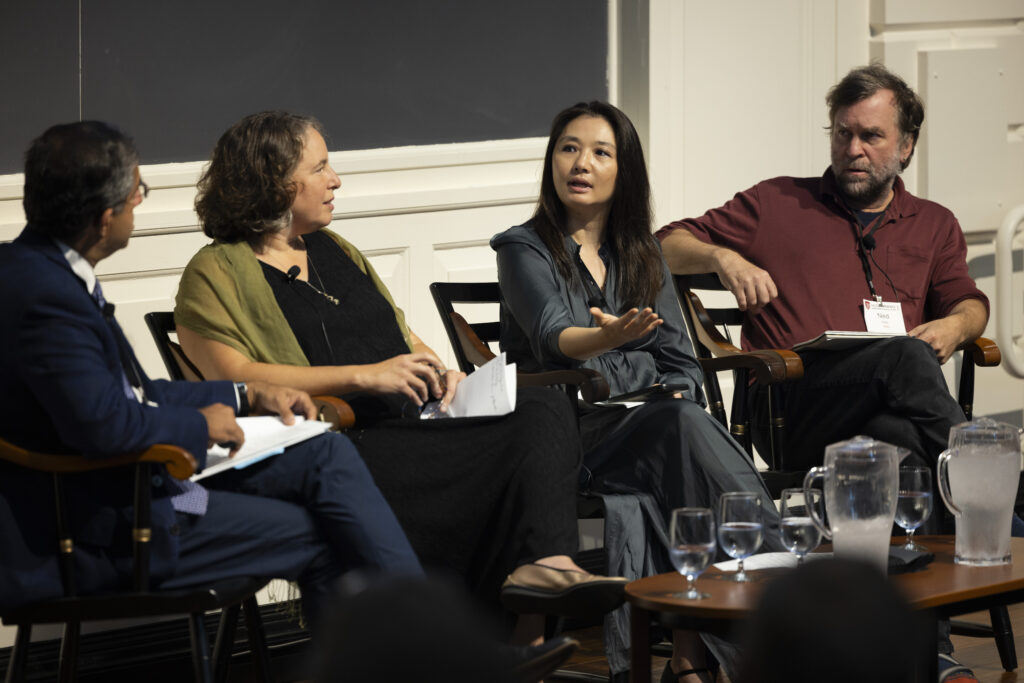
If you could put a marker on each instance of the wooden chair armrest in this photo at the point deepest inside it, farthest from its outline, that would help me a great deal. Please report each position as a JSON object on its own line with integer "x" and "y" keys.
{"x": 334, "y": 410}
{"x": 706, "y": 331}
{"x": 179, "y": 463}
{"x": 769, "y": 366}
{"x": 476, "y": 351}
{"x": 984, "y": 352}
{"x": 592, "y": 385}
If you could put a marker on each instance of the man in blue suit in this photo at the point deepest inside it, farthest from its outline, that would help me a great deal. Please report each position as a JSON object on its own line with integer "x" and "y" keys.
{"x": 69, "y": 383}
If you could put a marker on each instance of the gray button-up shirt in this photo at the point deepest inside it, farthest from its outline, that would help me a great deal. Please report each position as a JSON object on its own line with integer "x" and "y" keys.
{"x": 538, "y": 304}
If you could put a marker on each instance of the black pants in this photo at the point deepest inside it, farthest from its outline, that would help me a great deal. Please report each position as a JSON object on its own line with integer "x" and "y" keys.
{"x": 892, "y": 390}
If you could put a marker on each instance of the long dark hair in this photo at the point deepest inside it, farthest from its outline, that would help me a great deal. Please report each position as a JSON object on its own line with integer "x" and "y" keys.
{"x": 628, "y": 227}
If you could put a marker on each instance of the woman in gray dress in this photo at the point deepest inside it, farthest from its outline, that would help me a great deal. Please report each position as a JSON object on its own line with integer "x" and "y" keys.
{"x": 585, "y": 285}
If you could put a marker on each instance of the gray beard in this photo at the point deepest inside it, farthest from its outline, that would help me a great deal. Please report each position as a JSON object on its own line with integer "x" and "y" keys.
{"x": 861, "y": 194}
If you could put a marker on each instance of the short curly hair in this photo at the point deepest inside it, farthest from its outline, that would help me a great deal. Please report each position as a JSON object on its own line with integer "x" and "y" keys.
{"x": 246, "y": 191}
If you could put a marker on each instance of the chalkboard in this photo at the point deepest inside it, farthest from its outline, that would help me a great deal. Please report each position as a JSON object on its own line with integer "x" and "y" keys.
{"x": 377, "y": 73}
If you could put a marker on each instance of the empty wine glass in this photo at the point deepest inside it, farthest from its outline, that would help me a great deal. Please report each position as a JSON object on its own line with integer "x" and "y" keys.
{"x": 740, "y": 527}
{"x": 799, "y": 534}
{"x": 914, "y": 504}
{"x": 692, "y": 538}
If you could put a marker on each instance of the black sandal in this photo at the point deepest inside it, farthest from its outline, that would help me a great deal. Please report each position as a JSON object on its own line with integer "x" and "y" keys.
{"x": 670, "y": 676}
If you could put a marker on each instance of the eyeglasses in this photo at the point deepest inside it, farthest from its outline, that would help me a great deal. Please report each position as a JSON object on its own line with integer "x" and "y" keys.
{"x": 141, "y": 192}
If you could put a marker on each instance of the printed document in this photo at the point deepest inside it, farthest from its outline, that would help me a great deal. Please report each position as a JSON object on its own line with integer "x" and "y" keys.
{"x": 490, "y": 390}
{"x": 265, "y": 436}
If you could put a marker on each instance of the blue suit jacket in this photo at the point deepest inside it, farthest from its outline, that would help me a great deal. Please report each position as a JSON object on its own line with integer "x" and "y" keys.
{"x": 61, "y": 392}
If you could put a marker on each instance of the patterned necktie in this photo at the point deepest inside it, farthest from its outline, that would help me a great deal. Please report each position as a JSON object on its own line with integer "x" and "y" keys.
{"x": 189, "y": 496}
{"x": 97, "y": 294}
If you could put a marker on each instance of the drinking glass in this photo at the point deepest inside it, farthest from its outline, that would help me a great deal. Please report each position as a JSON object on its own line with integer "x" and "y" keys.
{"x": 692, "y": 538}
{"x": 740, "y": 527}
{"x": 915, "y": 501}
{"x": 799, "y": 534}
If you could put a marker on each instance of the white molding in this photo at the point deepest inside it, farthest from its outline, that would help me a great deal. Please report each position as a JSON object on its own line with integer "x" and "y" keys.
{"x": 381, "y": 182}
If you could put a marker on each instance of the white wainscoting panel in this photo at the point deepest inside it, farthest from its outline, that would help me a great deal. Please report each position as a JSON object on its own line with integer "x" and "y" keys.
{"x": 966, "y": 60}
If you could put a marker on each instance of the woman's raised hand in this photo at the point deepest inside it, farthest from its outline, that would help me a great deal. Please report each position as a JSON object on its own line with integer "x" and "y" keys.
{"x": 631, "y": 325}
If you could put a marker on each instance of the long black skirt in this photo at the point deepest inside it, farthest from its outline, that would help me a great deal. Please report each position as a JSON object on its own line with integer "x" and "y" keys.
{"x": 477, "y": 497}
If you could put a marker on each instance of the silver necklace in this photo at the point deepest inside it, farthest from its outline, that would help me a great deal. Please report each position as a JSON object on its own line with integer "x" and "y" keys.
{"x": 333, "y": 299}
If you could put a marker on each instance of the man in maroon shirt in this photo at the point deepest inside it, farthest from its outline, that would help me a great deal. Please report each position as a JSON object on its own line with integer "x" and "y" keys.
{"x": 803, "y": 255}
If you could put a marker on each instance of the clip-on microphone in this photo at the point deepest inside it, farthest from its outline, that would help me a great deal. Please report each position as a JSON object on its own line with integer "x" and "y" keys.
{"x": 293, "y": 273}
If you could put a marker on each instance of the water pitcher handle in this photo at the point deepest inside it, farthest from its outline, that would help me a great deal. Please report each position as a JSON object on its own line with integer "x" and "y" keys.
{"x": 812, "y": 474}
{"x": 942, "y": 472}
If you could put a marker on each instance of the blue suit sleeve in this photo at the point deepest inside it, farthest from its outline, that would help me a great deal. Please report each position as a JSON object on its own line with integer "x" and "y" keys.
{"x": 68, "y": 360}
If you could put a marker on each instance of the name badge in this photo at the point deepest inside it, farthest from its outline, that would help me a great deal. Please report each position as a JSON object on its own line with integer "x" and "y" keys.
{"x": 884, "y": 316}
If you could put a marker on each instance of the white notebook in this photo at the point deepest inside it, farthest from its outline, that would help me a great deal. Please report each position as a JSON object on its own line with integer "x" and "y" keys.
{"x": 836, "y": 340}
{"x": 265, "y": 436}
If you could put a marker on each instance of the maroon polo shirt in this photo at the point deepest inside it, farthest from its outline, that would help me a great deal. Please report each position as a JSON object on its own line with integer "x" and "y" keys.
{"x": 797, "y": 230}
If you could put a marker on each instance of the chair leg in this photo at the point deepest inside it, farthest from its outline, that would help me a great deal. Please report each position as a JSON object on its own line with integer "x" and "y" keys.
{"x": 553, "y": 626}
{"x": 257, "y": 640}
{"x": 200, "y": 648}
{"x": 69, "y": 652}
{"x": 19, "y": 654}
{"x": 223, "y": 644}
{"x": 1002, "y": 631}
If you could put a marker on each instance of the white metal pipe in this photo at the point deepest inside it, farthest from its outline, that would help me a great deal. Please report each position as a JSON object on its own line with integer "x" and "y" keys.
{"x": 1007, "y": 298}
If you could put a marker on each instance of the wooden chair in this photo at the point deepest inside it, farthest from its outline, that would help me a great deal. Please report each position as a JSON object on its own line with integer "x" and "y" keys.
{"x": 161, "y": 325}
{"x": 773, "y": 367}
{"x": 72, "y": 609}
{"x": 470, "y": 340}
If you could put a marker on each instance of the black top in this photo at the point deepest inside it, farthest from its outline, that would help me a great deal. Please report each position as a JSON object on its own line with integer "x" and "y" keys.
{"x": 360, "y": 329}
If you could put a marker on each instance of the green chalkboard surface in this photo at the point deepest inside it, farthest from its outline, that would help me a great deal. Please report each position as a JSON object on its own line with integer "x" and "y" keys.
{"x": 377, "y": 73}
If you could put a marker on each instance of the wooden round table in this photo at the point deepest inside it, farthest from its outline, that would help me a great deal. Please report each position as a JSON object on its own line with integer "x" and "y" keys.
{"x": 943, "y": 589}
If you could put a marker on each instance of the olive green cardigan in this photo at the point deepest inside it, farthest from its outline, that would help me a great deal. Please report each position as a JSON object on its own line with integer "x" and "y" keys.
{"x": 224, "y": 296}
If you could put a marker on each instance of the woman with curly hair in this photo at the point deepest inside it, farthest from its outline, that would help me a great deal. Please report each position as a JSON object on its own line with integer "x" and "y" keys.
{"x": 280, "y": 298}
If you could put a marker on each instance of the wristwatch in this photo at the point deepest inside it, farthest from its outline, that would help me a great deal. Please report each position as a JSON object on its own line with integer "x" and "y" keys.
{"x": 243, "y": 398}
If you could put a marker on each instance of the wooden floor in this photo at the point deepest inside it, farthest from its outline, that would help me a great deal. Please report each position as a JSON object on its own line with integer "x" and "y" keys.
{"x": 978, "y": 653}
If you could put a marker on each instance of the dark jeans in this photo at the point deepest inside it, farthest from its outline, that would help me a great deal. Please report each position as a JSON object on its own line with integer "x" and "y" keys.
{"x": 892, "y": 390}
{"x": 307, "y": 515}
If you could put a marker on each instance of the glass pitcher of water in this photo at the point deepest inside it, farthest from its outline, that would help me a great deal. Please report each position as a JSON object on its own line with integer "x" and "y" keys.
{"x": 978, "y": 483}
{"x": 861, "y": 484}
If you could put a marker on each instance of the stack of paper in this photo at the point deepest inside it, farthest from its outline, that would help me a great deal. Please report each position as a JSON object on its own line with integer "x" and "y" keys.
{"x": 836, "y": 340}
{"x": 265, "y": 436}
{"x": 489, "y": 390}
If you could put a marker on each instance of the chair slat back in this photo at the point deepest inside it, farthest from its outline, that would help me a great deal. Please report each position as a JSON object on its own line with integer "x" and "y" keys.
{"x": 161, "y": 326}
{"x": 446, "y": 295}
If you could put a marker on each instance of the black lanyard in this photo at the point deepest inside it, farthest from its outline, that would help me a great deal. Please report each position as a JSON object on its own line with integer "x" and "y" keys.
{"x": 865, "y": 244}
